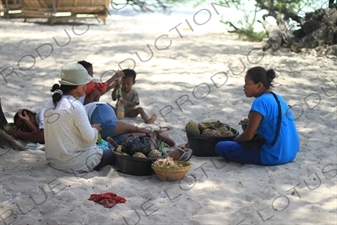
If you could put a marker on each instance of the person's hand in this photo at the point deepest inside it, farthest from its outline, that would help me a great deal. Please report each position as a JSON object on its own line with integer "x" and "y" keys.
{"x": 118, "y": 84}
{"x": 97, "y": 127}
{"x": 119, "y": 74}
{"x": 23, "y": 115}
{"x": 13, "y": 133}
{"x": 123, "y": 101}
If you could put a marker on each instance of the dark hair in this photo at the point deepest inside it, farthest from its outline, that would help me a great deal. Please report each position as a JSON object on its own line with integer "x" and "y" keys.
{"x": 16, "y": 116}
{"x": 85, "y": 64}
{"x": 130, "y": 73}
{"x": 259, "y": 74}
{"x": 64, "y": 88}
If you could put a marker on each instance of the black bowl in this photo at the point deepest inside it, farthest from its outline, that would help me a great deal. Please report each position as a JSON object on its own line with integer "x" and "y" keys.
{"x": 133, "y": 165}
{"x": 204, "y": 146}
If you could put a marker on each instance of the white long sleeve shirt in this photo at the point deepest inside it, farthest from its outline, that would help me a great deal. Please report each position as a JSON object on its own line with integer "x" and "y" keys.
{"x": 70, "y": 140}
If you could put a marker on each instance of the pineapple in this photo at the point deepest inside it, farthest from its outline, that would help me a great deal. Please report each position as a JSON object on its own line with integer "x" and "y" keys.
{"x": 154, "y": 154}
{"x": 205, "y": 125}
{"x": 119, "y": 149}
{"x": 230, "y": 134}
{"x": 192, "y": 127}
{"x": 139, "y": 155}
{"x": 218, "y": 124}
{"x": 223, "y": 130}
{"x": 211, "y": 132}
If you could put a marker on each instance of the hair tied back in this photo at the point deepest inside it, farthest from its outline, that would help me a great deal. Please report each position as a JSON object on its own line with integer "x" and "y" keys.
{"x": 58, "y": 91}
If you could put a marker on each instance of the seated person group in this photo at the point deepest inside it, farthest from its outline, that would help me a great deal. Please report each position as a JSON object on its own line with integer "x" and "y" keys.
{"x": 73, "y": 118}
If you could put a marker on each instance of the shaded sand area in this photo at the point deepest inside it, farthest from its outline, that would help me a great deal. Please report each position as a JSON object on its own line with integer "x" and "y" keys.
{"x": 194, "y": 72}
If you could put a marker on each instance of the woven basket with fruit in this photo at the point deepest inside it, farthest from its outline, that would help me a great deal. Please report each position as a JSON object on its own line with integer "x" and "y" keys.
{"x": 170, "y": 170}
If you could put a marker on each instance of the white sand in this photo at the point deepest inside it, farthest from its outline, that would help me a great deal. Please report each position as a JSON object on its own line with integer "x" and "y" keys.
{"x": 203, "y": 69}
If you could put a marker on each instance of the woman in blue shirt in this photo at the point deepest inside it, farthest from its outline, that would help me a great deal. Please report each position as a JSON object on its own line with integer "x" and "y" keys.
{"x": 263, "y": 119}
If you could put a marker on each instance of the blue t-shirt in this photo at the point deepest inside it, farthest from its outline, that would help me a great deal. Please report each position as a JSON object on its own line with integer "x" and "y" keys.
{"x": 287, "y": 144}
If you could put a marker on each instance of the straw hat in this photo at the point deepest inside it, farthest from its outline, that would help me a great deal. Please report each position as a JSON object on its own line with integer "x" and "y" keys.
{"x": 74, "y": 74}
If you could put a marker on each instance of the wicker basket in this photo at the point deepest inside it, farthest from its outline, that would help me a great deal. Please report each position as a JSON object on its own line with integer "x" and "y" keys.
{"x": 171, "y": 174}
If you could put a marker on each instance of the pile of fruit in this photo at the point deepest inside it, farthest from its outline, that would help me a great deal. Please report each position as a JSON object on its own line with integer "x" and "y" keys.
{"x": 167, "y": 163}
{"x": 156, "y": 153}
{"x": 169, "y": 170}
{"x": 209, "y": 128}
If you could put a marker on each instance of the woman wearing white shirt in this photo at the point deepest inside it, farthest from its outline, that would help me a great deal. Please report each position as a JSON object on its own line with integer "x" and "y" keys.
{"x": 70, "y": 139}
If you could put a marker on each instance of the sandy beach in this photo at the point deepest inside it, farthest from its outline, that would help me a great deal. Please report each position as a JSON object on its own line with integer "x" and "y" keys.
{"x": 188, "y": 68}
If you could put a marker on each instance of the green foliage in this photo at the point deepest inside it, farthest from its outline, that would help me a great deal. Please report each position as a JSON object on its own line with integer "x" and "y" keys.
{"x": 150, "y": 5}
{"x": 248, "y": 34}
{"x": 246, "y": 29}
{"x": 99, "y": 139}
{"x": 251, "y": 35}
{"x": 161, "y": 147}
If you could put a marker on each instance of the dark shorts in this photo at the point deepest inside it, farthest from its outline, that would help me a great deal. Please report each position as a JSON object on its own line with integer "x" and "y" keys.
{"x": 108, "y": 158}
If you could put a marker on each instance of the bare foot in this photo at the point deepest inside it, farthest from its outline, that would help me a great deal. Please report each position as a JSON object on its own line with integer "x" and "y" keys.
{"x": 152, "y": 119}
{"x": 175, "y": 154}
{"x": 181, "y": 152}
{"x": 164, "y": 128}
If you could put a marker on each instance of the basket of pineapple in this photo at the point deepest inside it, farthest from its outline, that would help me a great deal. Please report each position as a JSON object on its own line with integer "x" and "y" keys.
{"x": 138, "y": 164}
{"x": 203, "y": 136}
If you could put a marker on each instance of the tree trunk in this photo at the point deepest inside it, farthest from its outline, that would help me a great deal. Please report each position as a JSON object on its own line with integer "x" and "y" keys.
{"x": 275, "y": 39}
{"x": 318, "y": 31}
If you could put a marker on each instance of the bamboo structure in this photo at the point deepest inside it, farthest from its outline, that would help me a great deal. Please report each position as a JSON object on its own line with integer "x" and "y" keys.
{"x": 6, "y": 6}
{"x": 59, "y": 10}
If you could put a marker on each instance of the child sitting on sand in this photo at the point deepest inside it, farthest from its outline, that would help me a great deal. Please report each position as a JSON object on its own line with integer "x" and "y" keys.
{"x": 95, "y": 90}
{"x": 29, "y": 126}
{"x": 130, "y": 98}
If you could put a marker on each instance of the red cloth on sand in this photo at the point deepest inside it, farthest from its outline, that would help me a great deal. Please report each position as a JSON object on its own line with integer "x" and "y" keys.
{"x": 108, "y": 199}
{"x": 102, "y": 87}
